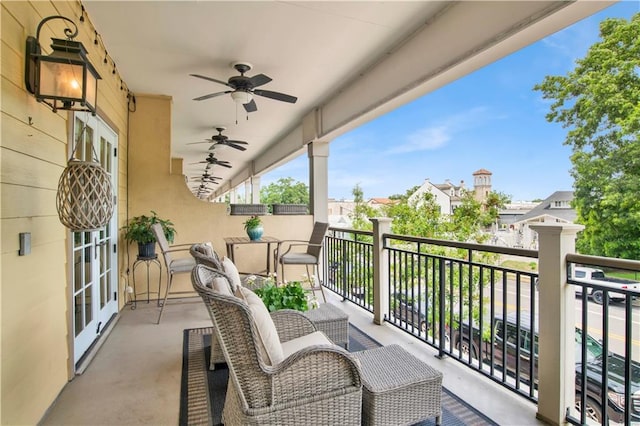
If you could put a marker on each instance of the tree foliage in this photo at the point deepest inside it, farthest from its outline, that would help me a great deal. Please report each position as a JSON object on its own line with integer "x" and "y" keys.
{"x": 420, "y": 217}
{"x": 599, "y": 103}
{"x": 285, "y": 191}
{"x": 361, "y": 211}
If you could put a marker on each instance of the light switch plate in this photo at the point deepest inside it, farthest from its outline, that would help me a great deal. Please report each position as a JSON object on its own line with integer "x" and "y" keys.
{"x": 25, "y": 243}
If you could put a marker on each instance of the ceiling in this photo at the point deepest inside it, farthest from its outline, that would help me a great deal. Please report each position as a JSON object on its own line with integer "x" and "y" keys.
{"x": 346, "y": 62}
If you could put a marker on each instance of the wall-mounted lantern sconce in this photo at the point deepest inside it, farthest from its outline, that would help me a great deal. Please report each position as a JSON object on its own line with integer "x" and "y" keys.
{"x": 65, "y": 79}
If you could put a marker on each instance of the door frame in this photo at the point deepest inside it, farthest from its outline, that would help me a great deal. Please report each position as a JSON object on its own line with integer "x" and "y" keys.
{"x": 74, "y": 366}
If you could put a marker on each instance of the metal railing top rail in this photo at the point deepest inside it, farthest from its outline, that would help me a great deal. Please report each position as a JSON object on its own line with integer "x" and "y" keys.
{"x": 351, "y": 231}
{"x": 608, "y": 262}
{"x": 468, "y": 246}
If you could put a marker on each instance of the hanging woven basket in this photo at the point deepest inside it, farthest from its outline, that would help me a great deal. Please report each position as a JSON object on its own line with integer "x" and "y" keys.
{"x": 85, "y": 196}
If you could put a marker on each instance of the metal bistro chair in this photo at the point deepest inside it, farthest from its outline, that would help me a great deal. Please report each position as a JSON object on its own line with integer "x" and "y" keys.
{"x": 310, "y": 257}
{"x": 174, "y": 266}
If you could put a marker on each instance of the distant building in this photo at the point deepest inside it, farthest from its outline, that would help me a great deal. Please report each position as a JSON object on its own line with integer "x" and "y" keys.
{"x": 449, "y": 196}
{"x": 339, "y": 212}
{"x": 481, "y": 184}
{"x": 513, "y": 212}
{"x": 554, "y": 209}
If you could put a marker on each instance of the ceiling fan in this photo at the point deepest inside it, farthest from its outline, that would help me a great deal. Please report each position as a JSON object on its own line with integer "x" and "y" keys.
{"x": 201, "y": 190}
{"x": 221, "y": 139}
{"x": 243, "y": 88}
{"x": 211, "y": 161}
{"x": 206, "y": 177}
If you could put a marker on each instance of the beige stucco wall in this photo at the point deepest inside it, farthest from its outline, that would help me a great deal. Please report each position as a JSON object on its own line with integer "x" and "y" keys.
{"x": 156, "y": 183}
{"x": 34, "y": 302}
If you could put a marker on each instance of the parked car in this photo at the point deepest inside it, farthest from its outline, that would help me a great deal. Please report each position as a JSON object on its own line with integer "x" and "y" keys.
{"x": 507, "y": 330}
{"x": 596, "y": 276}
{"x": 411, "y": 311}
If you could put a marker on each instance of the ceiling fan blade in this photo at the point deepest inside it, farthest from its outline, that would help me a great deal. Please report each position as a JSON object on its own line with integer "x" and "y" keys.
{"x": 238, "y": 142}
{"x": 251, "y": 106}
{"x": 194, "y": 143}
{"x": 259, "y": 80}
{"x": 238, "y": 147}
{"x": 211, "y": 95}
{"x": 204, "y": 77}
{"x": 224, "y": 164}
{"x": 276, "y": 95}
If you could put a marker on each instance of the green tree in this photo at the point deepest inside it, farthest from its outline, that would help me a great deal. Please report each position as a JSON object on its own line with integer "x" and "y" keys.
{"x": 361, "y": 211}
{"x": 599, "y": 102}
{"x": 285, "y": 191}
{"x": 420, "y": 217}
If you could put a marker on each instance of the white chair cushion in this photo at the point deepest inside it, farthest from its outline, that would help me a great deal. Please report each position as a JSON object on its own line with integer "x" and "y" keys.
{"x": 268, "y": 340}
{"x": 231, "y": 270}
{"x": 298, "y": 259}
{"x": 315, "y": 338}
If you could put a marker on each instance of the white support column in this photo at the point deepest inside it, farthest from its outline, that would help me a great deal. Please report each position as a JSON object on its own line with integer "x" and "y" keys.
{"x": 381, "y": 225}
{"x": 247, "y": 192}
{"x": 319, "y": 180}
{"x": 556, "y": 361}
{"x": 255, "y": 189}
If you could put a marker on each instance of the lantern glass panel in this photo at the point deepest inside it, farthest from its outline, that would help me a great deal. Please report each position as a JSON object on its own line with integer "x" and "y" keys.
{"x": 61, "y": 80}
{"x": 91, "y": 90}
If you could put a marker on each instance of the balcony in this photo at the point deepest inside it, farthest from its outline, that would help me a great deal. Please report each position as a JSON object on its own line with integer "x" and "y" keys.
{"x": 152, "y": 364}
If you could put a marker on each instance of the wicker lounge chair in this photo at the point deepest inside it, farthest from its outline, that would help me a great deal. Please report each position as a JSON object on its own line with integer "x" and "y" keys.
{"x": 311, "y": 384}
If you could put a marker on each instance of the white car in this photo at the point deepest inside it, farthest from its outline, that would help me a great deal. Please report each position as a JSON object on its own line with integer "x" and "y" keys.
{"x": 597, "y": 277}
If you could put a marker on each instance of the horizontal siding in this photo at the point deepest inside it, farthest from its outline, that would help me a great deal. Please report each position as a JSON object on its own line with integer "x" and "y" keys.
{"x": 34, "y": 301}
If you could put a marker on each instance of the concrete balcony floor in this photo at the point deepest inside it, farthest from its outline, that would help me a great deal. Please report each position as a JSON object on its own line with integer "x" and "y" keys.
{"x": 134, "y": 377}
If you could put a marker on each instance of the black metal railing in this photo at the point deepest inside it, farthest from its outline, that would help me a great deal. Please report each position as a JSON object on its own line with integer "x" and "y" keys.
{"x": 607, "y": 371}
{"x": 348, "y": 265}
{"x": 464, "y": 301}
{"x": 456, "y": 297}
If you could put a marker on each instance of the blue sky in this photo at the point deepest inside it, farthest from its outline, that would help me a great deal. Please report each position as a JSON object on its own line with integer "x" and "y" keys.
{"x": 491, "y": 119}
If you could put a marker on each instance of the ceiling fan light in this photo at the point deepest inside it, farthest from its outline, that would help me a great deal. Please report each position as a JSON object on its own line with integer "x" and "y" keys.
{"x": 241, "y": 97}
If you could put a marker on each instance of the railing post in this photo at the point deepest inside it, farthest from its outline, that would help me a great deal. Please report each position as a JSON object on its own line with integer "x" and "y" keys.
{"x": 557, "y": 307}
{"x": 442, "y": 317}
{"x": 381, "y": 225}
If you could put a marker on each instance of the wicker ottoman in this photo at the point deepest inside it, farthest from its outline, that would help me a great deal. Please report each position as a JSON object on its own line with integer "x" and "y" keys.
{"x": 398, "y": 388}
{"x": 331, "y": 321}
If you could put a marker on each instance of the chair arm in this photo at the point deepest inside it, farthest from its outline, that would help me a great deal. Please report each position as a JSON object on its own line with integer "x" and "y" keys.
{"x": 307, "y": 244}
{"x": 182, "y": 245}
{"x": 314, "y": 371}
{"x": 291, "y": 324}
{"x": 174, "y": 249}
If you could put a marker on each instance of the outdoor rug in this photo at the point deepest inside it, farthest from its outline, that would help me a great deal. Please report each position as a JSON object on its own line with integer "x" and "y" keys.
{"x": 202, "y": 391}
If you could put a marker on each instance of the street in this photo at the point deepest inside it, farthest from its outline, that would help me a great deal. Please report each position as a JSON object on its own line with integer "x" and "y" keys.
{"x": 616, "y": 317}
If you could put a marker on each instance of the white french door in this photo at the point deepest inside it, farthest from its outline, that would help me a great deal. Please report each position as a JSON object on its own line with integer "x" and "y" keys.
{"x": 95, "y": 272}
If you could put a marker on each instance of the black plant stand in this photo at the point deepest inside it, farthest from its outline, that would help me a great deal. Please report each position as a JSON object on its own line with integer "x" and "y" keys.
{"x": 148, "y": 261}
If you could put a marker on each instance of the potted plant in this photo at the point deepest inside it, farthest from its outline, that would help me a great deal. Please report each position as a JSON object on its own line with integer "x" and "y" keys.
{"x": 285, "y": 296}
{"x": 254, "y": 228}
{"x": 139, "y": 230}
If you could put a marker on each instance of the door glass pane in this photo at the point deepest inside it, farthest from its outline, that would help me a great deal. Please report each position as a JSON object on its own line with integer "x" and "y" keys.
{"x": 87, "y": 305}
{"x": 77, "y": 313}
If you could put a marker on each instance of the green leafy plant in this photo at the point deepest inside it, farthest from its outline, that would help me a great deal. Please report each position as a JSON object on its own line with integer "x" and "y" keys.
{"x": 252, "y": 222}
{"x": 285, "y": 296}
{"x": 139, "y": 229}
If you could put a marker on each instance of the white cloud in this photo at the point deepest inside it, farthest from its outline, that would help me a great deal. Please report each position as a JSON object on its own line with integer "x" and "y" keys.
{"x": 437, "y": 136}
{"x": 426, "y": 139}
